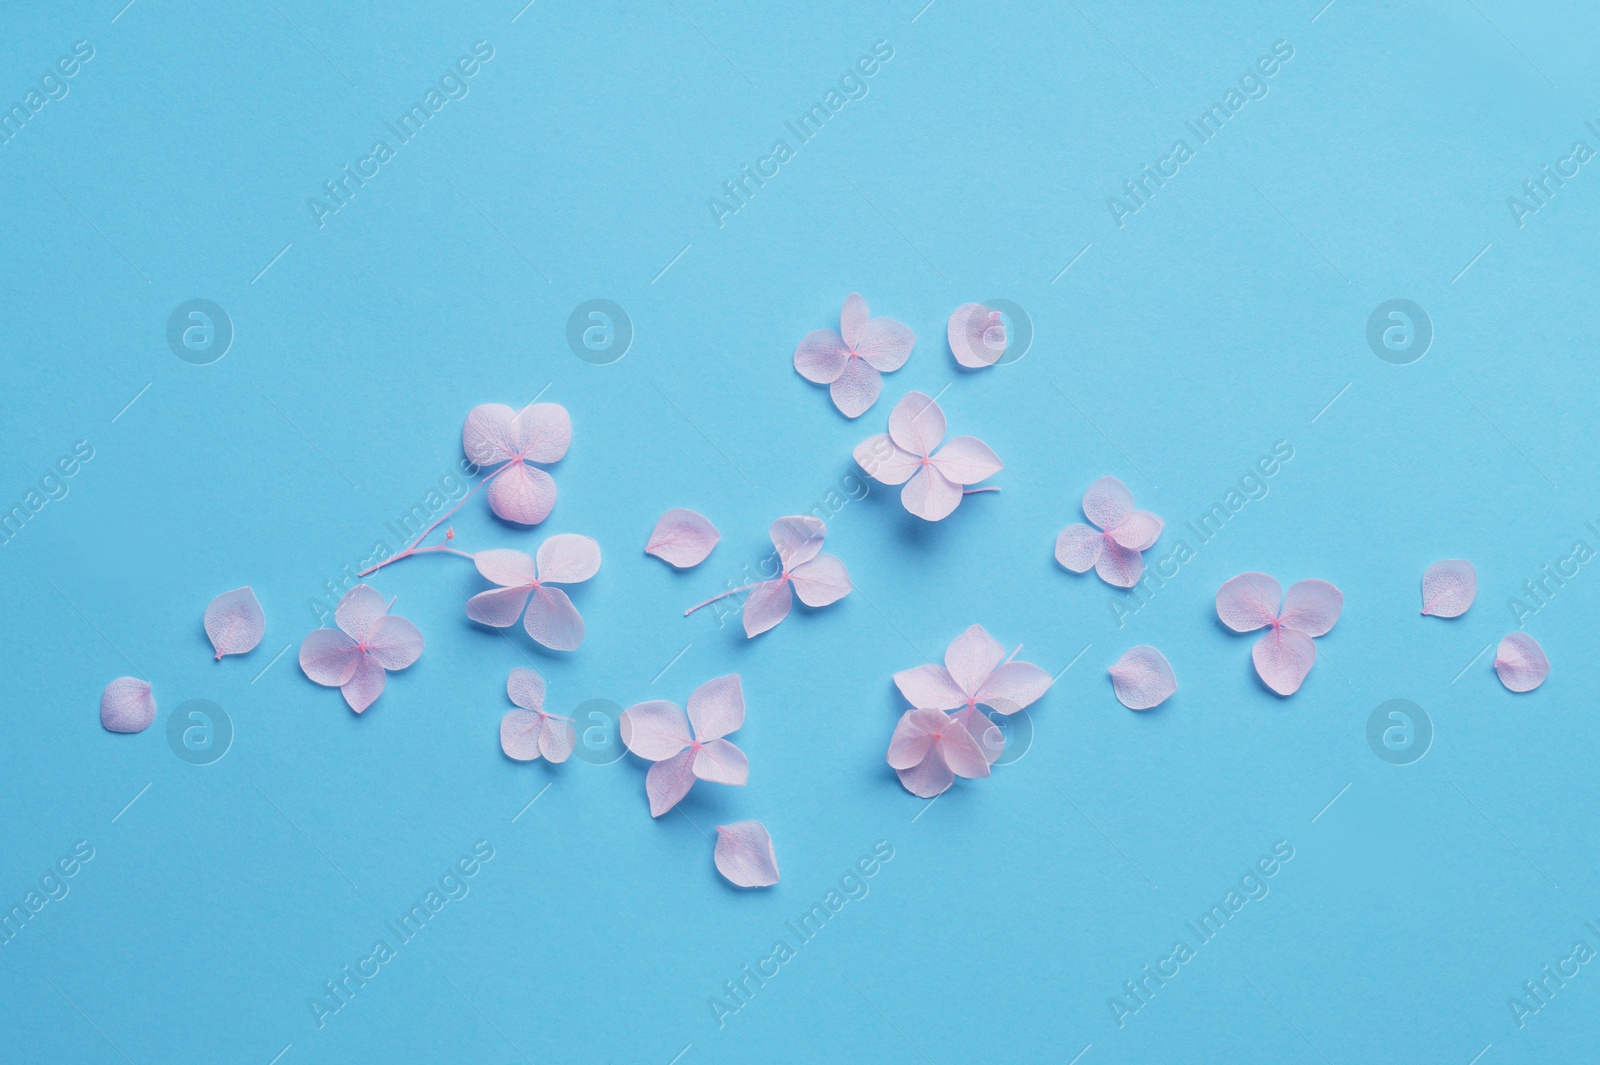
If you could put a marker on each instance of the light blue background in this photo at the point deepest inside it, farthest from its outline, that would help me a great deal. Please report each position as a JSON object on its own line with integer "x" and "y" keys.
{"x": 1223, "y": 317}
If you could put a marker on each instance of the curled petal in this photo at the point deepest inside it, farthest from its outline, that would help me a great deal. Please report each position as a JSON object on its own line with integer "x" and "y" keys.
{"x": 798, "y": 538}
{"x": 1142, "y": 678}
{"x": 984, "y": 732}
{"x": 1521, "y": 663}
{"x": 1283, "y": 657}
{"x": 962, "y": 752}
{"x": 913, "y": 737}
{"x": 523, "y": 494}
{"x": 488, "y": 438}
{"x": 917, "y": 424}
{"x": 656, "y": 730}
{"x": 552, "y": 620}
{"x": 499, "y": 607}
{"x": 929, "y": 687}
{"x": 856, "y": 389}
{"x": 1118, "y": 566}
{"x": 329, "y": 657}
{"x": 884, "y": 462}
{"x": 744, "y": 854}
{"x": 557, "y": 739}
{"x": 1108, "y": 503}
{"x": 394, "y": 642}
{"x": 519, "y": 734}
{"x": 234, "y": 622}
{"x": 821, "y": 357}
{"x": 568, "y": 558}
{"x": 365, "y": 684}
{"x": 1311, "y": 607}
{"x": 542, "y": 432}
{"x": 127, "y": 705}
{"x": 682, "y": 538}
{"x": 1449, "y": 587}
{"x": 716, "y": 708}
{"x": 1078, "y": 547}
{"x": 767, "y": 604}
{"x": 885, "y": 344}
{"x": 507, "y": 568}
{"x": 930, "y": 495}
{"x": 526, "y": 688}
{"x": 929, "y": 777}
{"x": 967, "y": 460}
{"x": 669, "y": 781}
{"x": 360, "y": 608}
{"x": 853, "y": 318}
{"x": 972, "y": 657}
{"x": 821, "y": 581}
{"x": 720, "y": 762}
{"x": 1249, "y": 602}
{"x": 1013, "y": 686}
{"x": 977, "y": 336}
{"x": 1138, "y": 532}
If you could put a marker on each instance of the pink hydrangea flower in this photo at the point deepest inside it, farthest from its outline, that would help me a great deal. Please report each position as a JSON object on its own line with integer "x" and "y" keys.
{"x": 497, "y": 436}
{"x": 975, "y": 674}
{"x": 930, "y": 749}
{"x": 1285, "y": 655}
{"x": 530, "y": 733}
{"x": 935, "y": 477}
{"x": 527, "y": 589}
{"x": 1115, "y": 547}
{"x": 849, "y": 362}
{"x": 355, "y": 657}
{"x": 686, "y": 749}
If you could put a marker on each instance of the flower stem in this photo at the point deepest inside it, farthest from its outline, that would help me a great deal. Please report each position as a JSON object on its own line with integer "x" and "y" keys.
{"x": 414, "y": 549}
{"x": 975, "y": 491}
{"x": 724, "y": 595}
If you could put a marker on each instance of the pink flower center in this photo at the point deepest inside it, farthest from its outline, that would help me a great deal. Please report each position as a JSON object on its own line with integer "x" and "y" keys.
{"x": 695, "y": 745}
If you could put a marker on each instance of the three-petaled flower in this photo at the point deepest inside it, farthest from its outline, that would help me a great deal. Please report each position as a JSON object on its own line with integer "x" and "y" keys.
{"x": 494, "y": 435}
{"x": 1285, "y": 655}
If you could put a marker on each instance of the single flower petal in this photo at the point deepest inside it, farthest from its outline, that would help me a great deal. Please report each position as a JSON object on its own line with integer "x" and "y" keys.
{"x": 526, "y": 688}
{"x": 977, "y": 336}
{"x": 885, "y": 344}
{"x": 1118, "y": 566}
{"x": 856, "y": 389}
{"x": 929, "y": 777}
{"x": 127, "y": 705}
{"x": 359, "y": 610}
{"x": 930, "y": 687}
{"x": 1283, "y": 657}
{"x": 798, "y": 538}
{"x": 568, "y": 558}
{"x": 971, "y": 657}
{"x": 1142, "y": 678}
{"x": 682, "y": 538}
{"x": 365, "y": 684}
{"x": 1449, "y": 587}
{"x": 961, "y": 750}
{"x": 1014, "y": 686}
{"x": 488, "y": 438}
{"x": 329, "y": 657}
{"x": 552, "y": 620}
{"x": 884, "y": 462}
{"x": 1108, "y": 503}
{"x": 917, "y": 424}
{"x": 542, "y": 432}
{"x": 1311, "y": 607}
{"x": 234, "y": 622}
{"x": 716, "y": 708}
{"x": 744, "y": 854}
{"x": 500, "y": 607}
{"x": 557, "y": 739}
{"x": 1249, "y": 602}
{"x": 853, "y": 318}
{"x": 669, "y": 781}
{"x": 984, "y": 732}
{"x": 720, "y": 762}
{"x": 507, "y": 568}
{"x": 821, "y": 581}
{"x": 930, "y": 495}
{"x": 1138, "y": 532}
{"x": 820, "y": 357}
{"x": 1521, "y": 663}
{"x": 1078, "y": 547}
{"x": 655, "y": 730}
{"x": 523, "y": 494}
{"x": 967, "y": 460}
{"x": 519, "y": 734}
{"x": 394, "y": 642}
{"x": 767, "y": 604}
{"x": 913, "y": 737}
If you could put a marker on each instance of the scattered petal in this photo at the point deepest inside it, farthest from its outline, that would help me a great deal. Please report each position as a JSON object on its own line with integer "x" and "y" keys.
{"x": 1283, "y": 657}
{"x": 744, "y": 854}
{"x": 1249, "y": 602}
{"x": 682, "y": 538}
{"x": 1521, "y": 663}
{"x": 1448, "y": 588}
{"x": 977, "y": 336}
{"x": 1143, "y": 678}
{"x": 127, "y": 705}
{"x": 234, "y": 622}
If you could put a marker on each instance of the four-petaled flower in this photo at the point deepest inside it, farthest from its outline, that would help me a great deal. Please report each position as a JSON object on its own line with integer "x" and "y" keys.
{"x": 1114, "y": 548}
{"x": 496, "y": 436}
{"x": 849, "y": 361}
{"x": 688, "y": 748}
{"x": 354, "y": 660}
{"x": 933, "y": 481}
{"x": 529, "y": 733}
{"x": 1285, "y": 655}
{"x": 551, "y": 619}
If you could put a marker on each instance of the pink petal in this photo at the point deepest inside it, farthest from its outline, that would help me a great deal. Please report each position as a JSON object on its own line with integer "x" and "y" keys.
{"x": 1078, "y": 547}
{"x": 366, "y": 684}
{"x": 526, "y": 688}
{"x": 977, "y": 336}
{"x": 821, "y": 357}
{"x": 1108, "y": 503}
{"x": 359, "y": 610}
{"x": 1143, "y": 678}
{"x": 930, "y": 495}
{"x": 234, "y": 622}
{"x": 744, "y": 854}
{"x": 1014, "y": 686}
{"x": 720, "y": 762}
{"x": 1520, "y": 662}
{"x": 967, "y": 460}
{"x": 885, "y": 344}
{"x": 568, "y": 558}
{"x": 913, "y": 737}
{"x": 929, "y": 687}
{"x": 916, "y": 424}
{"x": 519, "y": 734}
{"x": 329, "y": 657}
{"x": 394, "y": 642}
{"x": 1283, "y": 657}
{"x": 971, "y": 657}
{"x": 682, "y": 538}
{"x": 500, "y": 607}
{"x": 128, "y": 706}
{"x": 1118, "y": 566}
{"x": 1449, "y": 587}
{"x": 929, "y": 777}
{"x": 656, "y": 730}
{"x": 523, "y": 494}
{"x": 669, "y": 781}
{"x": 1311, "y": 607}
{"x": 821, "y": 581}
{"x": 962, "y": 752}
{"x": 507, "y": 568}
{"x": 1249, "y": 602}
{"x": 1138, "y": 532}
{"x": 716, "y": 708}
{"x": 856, "y": 389}
{"x": 542, "y": 432}
{"x": 798, "y": 538}
{"x": 557, "y": 739}
{"x": 489, "y": 438}
{"x": 884, "y": 462}
{"x": 853, "y": 318}
{"x": 552, "y": 620}
{"x": 984, "y": 732}
{"x": 767, "y": 604}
